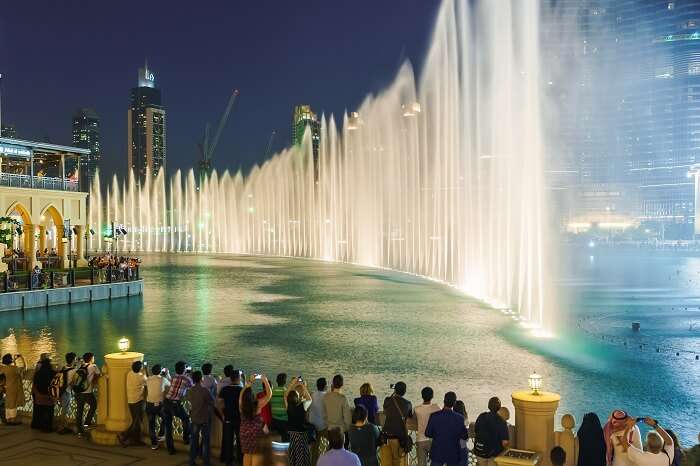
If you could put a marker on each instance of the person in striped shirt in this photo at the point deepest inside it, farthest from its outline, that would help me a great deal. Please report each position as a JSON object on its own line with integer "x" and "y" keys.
{"x": 172, "y": 405}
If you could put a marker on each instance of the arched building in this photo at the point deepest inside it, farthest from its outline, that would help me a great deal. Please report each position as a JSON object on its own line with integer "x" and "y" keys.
{"x": 48, "y": 203}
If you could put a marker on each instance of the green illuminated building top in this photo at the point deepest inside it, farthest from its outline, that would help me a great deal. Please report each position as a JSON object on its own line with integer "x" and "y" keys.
{"x": 303, "y": 117}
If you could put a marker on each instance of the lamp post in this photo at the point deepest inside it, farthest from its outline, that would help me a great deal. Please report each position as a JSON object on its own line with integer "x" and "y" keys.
{"x": 68, "y": 239}
{"x": 113, "y": 409}
{"x": 534, "y": 418}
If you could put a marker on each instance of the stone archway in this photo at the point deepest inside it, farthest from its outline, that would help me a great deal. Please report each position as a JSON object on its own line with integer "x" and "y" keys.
{"x": 51, "y": 212}
{"x": 28, "y": 232}
{"x": 21, "y": 210}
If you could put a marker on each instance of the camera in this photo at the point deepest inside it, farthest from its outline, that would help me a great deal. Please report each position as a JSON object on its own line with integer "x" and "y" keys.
{"x": 188, "y": 368}
{"x": 392, "y": 385}
{"x": 164, "y": 371}
{"x": 257, "y": 376}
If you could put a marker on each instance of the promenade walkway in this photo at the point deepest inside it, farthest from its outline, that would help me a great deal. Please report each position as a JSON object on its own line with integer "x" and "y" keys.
{"x": 22, "y": 446}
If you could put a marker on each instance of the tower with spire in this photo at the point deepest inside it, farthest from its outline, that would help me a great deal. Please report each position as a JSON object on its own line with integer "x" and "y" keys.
{"x": 146, "y": 147}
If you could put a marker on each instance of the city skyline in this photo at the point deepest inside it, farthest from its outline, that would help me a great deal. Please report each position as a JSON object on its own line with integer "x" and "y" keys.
{"x": 198, "y": 70}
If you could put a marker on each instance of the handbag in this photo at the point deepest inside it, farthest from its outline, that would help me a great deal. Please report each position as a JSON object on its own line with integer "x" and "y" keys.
{"x": 311, "y": 434}
{"x": 406, "y": 441}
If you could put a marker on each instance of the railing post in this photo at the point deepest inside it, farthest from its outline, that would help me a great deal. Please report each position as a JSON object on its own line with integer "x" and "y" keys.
{"x": 109, "y": 274}
{"x": 52, "y": 279}
{"x": 92, "y": 275}
{"x": 30, "y": 277}
{"x": 7, "y": 281}
{"x": 72, "y": 277}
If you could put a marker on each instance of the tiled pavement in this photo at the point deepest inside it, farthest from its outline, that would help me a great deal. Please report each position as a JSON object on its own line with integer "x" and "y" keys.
{"x": 22, "y": 446}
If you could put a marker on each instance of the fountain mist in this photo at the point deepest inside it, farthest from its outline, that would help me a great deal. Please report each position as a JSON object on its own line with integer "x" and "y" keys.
{"x": 442, "y": 178}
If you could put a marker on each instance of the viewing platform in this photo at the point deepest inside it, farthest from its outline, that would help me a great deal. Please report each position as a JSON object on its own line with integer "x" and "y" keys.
{"x": 40, "y": 165}
{"x": 43, "y": 289}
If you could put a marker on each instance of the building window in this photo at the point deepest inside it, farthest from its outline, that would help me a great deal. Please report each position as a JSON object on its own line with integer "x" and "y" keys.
{"x": 671, "y": 5}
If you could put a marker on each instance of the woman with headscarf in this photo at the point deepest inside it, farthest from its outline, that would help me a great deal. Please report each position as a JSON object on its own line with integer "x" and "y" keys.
{"x": 620, "y": 426}
{"x": 43, "y": 402}
{"x": 591, "y": 442}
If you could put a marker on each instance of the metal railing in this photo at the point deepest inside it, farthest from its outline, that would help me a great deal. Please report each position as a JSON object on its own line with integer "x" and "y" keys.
{"x": 39, "y": 182}
{"x": 66, "y": 278}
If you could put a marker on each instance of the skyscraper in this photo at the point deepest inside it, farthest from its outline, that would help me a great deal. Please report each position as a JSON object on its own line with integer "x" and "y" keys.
{"x": 633, "y": 123}
{"x": 146, "y": 127}
{"x": 659, "y": 51}
{"x": 303, "y": 116}
{"x": 86, "y": 135}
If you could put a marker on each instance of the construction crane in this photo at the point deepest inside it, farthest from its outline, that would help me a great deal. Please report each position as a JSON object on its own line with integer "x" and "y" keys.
{"x": 207, "y": 147}
{"x": 269, "y": 144}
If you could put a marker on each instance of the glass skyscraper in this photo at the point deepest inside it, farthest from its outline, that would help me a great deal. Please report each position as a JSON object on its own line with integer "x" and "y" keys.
{"x": 86, "y": 135}
{"x": 631, "y": 124}
{"x": 146, "y": 127}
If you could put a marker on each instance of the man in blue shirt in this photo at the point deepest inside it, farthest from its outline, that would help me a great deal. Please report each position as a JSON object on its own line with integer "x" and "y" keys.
{"x": 336, "y": 454}
{"x": 446, "y": 428}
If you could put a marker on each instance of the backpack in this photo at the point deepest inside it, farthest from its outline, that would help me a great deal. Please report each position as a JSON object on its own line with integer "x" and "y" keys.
{"x": 64, "y": 379}
{"x": 55, "y": 386}
{"x": 80, "y": 379}
{"x": 483, "y": 440}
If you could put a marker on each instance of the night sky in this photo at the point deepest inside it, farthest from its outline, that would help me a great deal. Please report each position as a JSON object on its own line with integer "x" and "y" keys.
{"x": 58, "y": 56}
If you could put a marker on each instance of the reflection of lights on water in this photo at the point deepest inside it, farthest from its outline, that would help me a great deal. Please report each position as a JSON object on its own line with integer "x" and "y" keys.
{"x": 591, "y": 244}
{"x": 591, "y": 259}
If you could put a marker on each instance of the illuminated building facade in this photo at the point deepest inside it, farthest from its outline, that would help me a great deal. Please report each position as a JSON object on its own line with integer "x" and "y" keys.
{"x": 302, "y": 118}
{"x": 86, "y": 135}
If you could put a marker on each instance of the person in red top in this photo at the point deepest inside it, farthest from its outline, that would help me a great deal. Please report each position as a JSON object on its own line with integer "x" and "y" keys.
{"x": 252, "y": 426}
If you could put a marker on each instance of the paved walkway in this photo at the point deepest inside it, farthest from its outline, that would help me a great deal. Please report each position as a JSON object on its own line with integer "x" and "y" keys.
{"x": 22, "y": 446}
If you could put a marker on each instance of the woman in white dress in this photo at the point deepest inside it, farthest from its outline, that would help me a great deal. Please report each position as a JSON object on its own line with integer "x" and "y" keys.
{"x": 621, "y": 426}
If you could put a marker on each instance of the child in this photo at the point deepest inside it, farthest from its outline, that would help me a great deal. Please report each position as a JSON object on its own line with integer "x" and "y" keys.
{"x": 557, "y": 456}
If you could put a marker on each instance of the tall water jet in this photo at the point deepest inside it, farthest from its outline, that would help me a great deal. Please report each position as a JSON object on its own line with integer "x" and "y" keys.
{"x": 441, "y": 178}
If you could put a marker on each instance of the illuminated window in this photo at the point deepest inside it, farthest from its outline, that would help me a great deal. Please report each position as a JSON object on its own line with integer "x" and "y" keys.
{"x": 671, "y": 5}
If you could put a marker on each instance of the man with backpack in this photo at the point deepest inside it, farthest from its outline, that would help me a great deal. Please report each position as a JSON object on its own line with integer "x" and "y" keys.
{"x": 491, "y": 435}
{"x": 397, "y": 410}
{"x": 65, "y": 393}
{"x": 83, "y": 388}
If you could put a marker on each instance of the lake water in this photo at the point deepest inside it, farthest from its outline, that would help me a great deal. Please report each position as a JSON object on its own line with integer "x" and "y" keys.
{"x": 317, "y": 319}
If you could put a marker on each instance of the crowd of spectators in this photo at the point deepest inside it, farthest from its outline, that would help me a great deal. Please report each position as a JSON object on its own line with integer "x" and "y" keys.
{"x": 251, "y": 407}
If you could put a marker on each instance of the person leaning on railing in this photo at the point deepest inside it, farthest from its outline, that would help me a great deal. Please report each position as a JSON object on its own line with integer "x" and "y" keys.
{"x": 14, "y": 388}
{"x": 84, "y": 384}
{"x": 397, "y": 410}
